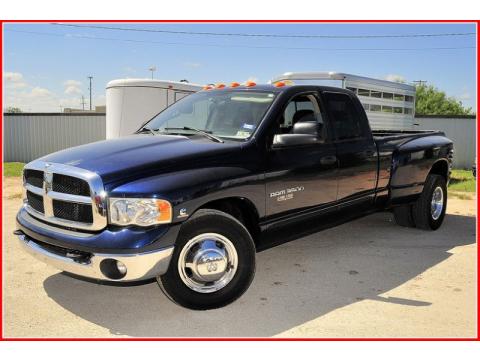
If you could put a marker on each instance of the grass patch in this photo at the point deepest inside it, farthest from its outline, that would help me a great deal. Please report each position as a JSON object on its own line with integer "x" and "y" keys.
{"x": 461, "y": 195}
{"x": 14, "y": 196}
{"x": 13, "y": 168}
{"x": 462, "y": 180}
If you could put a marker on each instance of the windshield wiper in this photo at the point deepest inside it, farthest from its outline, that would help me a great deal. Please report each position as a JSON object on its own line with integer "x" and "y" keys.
{"x": 144, "y": 129}
{"x": 202, "y": 132}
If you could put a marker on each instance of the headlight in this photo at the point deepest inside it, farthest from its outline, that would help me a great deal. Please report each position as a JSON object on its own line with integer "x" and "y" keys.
{"x": 142, "y": 212}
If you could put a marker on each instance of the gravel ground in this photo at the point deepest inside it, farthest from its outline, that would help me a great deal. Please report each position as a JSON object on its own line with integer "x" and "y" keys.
{"x": 366, "y": 278}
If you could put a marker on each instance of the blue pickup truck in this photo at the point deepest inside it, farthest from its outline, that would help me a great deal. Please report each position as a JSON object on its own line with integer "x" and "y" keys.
{"x": 187, "y": 199}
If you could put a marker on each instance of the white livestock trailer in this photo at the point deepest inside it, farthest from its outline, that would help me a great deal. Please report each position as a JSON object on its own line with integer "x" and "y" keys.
{"x": 389, "y": 105}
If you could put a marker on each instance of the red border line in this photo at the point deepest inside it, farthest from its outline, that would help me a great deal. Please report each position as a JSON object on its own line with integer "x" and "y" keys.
{"x": 1, "y": 190}
{"x": 239, "y": 339}
{"x": 2, "y": 338}
{"x": 243, "y": 21}
{"x": 478, "y": 199}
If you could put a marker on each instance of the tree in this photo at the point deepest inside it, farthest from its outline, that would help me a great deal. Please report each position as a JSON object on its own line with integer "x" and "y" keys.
{"x": 13, "y": 110}
{"x": 431, "y": 101}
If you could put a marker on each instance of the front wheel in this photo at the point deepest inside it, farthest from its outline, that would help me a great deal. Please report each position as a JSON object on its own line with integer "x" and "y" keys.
{"x": 429, "y": 209}
{"x": 213, "y": 263}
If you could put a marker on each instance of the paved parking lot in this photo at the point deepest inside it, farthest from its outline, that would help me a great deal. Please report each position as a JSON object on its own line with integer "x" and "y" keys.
{"x": 366, "y": 278}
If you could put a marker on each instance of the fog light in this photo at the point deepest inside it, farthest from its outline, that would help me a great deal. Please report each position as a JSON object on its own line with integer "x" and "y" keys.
{"x": 122, "y": 269}
{"x": 113, "y": 269}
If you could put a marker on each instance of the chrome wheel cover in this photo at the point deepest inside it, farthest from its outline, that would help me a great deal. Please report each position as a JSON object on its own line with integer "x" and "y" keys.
{"x": 207, "y": 263}
{"x": 437, "y": 203}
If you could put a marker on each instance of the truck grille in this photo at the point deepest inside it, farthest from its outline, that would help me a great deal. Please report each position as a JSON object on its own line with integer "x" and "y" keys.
{"x": 65, "y": 195}
{"x": 70, "y": 185}
{"x": 34, "y": 177}
{"x": 35, "y": 201}
{"x": 72, "y": 211}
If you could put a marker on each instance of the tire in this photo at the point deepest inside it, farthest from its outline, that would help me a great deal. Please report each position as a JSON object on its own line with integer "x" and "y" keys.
{"x": 404, "y": 215}
{"x": 424, "y": 215}
{"x": 205, "y": 235}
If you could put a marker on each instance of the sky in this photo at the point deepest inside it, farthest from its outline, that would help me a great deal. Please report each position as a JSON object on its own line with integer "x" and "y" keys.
{"x": 46, "y": 65}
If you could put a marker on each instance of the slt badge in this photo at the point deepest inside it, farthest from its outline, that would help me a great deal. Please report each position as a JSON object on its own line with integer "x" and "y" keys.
{"x": 182, "y": 213}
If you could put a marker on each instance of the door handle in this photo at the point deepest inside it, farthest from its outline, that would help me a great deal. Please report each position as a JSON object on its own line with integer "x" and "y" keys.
{"x": 328, "y": 160}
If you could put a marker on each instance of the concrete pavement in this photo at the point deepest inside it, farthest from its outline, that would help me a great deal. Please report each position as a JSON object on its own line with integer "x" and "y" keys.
{"x": 366, "y": 278}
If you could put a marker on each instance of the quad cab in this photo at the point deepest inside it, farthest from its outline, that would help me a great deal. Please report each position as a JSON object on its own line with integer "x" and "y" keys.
{"x": 187, "y": 199}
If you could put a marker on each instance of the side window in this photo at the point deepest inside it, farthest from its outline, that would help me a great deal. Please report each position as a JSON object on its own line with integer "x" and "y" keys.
{"x": 302, "y": 109}
{"x": 346, "y": 120}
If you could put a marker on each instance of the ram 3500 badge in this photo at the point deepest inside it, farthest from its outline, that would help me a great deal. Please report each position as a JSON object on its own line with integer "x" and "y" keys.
{"x": 286, "y": 194}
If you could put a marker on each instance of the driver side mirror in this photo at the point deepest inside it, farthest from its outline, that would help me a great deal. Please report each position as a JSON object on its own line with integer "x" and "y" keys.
{"x": 303, "y": 133}
{"x": 285, "y": 140}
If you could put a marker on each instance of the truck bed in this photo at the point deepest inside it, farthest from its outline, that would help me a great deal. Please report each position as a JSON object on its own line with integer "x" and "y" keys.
{"x": 387, "y": 140}
{"x": 388, "y": 135}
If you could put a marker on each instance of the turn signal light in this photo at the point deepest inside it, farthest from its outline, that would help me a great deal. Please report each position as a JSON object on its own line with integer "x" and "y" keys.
{"x": 234, "y": 84}
{"x": 250, "y": 84}
{"x": 164, "y": 210}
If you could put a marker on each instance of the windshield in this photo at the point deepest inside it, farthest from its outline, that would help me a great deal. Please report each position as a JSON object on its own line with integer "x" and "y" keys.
{"x": 233, "y": 115}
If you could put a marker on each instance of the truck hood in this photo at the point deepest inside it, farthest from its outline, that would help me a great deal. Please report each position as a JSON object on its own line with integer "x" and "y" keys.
{"x": 124, "y": 159}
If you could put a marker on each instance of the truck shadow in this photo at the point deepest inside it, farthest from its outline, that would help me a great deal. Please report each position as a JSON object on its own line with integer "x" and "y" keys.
{"x": 295, "y": 282}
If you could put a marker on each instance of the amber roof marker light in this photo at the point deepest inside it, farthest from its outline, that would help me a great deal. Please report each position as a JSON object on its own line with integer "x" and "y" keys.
{"x": 234, "y": 84}
{"x": 207, "y": 87}
{"x": 250, "y": 84}
{"x": 219, "y": 86}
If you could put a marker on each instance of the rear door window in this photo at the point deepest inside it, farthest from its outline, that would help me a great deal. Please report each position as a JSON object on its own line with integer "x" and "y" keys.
{"x": 345, "y": 118}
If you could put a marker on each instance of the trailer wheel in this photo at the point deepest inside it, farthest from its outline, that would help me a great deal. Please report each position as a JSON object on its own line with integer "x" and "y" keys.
{"x": 429, "y": 209}
{"x": 213, "y": 262}
{"x": 404, "y": 215}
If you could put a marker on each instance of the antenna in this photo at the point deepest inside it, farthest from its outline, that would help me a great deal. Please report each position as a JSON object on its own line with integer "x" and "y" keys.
{"x": 420, "y": 82}
{"x": 90, "y": 89}
{"x": 83, "y": 102}
{"x": 152, "y": 68}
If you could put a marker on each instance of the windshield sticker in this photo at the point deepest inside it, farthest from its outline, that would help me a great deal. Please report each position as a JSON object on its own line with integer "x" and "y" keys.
{"x": 242, "y": 133}
{"x": 248, "y": 126}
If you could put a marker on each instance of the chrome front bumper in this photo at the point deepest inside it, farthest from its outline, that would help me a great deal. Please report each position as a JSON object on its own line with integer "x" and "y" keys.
{"x": 139, "y": 266}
